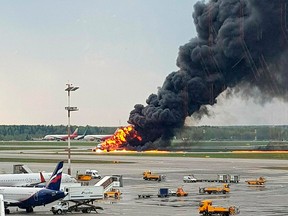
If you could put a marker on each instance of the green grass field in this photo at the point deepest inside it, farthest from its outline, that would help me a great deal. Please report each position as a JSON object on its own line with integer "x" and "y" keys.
{"x": 242, "y": 155}
{"x": 208, "y": 149}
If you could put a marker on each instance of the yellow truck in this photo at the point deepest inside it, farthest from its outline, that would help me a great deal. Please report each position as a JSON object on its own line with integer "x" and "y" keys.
{"x": 83, "y": 177}
{"x": 147, "y": 175}
{"x": 114, "y": 193}
{"x": 206, "y": 208}
{"x": 225, "y": 189}
{"x": 260, "y": 181}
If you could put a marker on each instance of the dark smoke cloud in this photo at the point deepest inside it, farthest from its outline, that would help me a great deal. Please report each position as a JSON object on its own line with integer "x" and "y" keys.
{"x": 240, "y": 44}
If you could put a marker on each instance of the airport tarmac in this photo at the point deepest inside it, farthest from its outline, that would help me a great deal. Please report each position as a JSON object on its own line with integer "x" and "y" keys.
{"x": 267, "y": 200}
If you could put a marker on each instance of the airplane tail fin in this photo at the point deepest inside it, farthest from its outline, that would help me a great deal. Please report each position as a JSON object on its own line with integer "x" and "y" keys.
{"x": 55, "y": 180}
{"x": 81, "y": 136}
{"x": 85, "y": 132}
{"x": 75, "y": 132}
{"x": 42, "y": 179}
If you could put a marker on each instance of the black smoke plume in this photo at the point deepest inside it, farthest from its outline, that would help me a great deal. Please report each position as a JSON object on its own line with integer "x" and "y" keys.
{"x": 240, "y": 44}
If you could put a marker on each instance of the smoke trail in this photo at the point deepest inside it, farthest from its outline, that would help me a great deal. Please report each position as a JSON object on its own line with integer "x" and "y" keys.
{"x": 240, "y": 44}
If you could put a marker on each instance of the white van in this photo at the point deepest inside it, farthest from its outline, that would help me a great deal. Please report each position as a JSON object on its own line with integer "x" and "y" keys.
{"x": 189, "y": 179}
{"x": 94, "y": 174}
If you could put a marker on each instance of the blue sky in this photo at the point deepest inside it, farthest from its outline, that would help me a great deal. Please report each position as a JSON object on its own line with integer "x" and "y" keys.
{"x": 117, "y": 51}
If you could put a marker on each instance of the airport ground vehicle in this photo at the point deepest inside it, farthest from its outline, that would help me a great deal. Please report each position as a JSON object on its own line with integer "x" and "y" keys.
{"x": 165, "y": 192}
{"x": 83, "y": 177}
{"x": 181, "y": 192}
{"x": 115, "y": 193}
{"x": 206, "y": 208}
{"x": 228, "y": 178}
{"x": 189, "y": 179}
{"x": 221, "y": 178}
{"x": 225, "y": 189}
{"x": 260, "y": 181}
{"x": 109, "y": 184}
{"x": 64, "y": 207}
{"x": 147, "y": 175}
{"x": 94, "y": 174}
{"x": 81, "y": 197}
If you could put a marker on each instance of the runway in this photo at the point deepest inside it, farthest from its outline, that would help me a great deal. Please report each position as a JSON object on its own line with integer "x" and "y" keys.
{"x": 265, "y": 201}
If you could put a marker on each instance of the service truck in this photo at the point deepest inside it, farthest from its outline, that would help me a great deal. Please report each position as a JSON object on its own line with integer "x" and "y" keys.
{"x": 260, "y": 181}
{"x": 165, "y": 192}
{"x": 147, "y": 175}
{"x": 64, "y": 207}
{"x": 206, "y": 208}
{"x": 225, "y": 189}
{"x": 79, "y": 198}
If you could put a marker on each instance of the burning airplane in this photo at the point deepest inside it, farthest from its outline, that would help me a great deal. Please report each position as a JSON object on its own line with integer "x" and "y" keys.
{"x": 241, "y": 45}
{"x": 120, "y": 139}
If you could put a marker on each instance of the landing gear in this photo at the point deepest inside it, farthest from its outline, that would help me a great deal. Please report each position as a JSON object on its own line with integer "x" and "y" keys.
{"x": 29, "y": 209}
{"x": 7, "y": 211}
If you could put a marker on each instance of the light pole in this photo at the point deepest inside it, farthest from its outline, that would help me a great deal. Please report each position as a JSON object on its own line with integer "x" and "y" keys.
{"x": 69, "y": 109}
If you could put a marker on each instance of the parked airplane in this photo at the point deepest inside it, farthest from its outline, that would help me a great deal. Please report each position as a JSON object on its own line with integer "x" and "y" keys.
{"x": 29, "y": 197}
{"x": 31, "y": 179}
{"x": 61, "y": 137}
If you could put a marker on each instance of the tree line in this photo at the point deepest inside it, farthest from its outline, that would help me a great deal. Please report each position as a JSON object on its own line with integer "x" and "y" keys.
{"x": 36, "y": 132}
{"x": 241, "y": 133}
{"x": 212, "y": 133}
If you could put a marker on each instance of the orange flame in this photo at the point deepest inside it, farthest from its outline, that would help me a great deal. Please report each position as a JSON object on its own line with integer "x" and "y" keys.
{"x": 120, "y": 137}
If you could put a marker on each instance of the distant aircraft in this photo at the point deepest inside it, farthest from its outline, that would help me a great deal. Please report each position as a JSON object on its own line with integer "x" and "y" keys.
{"x": 29, "y": 197}
{"x": 61, "y": 137}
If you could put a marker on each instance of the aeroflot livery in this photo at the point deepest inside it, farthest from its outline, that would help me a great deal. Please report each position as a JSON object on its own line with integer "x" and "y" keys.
{"x": 29, "y": 197}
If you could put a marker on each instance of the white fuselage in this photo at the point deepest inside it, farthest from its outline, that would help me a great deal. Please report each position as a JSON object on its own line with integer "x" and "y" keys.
{"x": 98, "y": 138}
{"x": 28, "y": 179}
{"x": 61, "y": 136}
{"x": 12, "y": 194}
